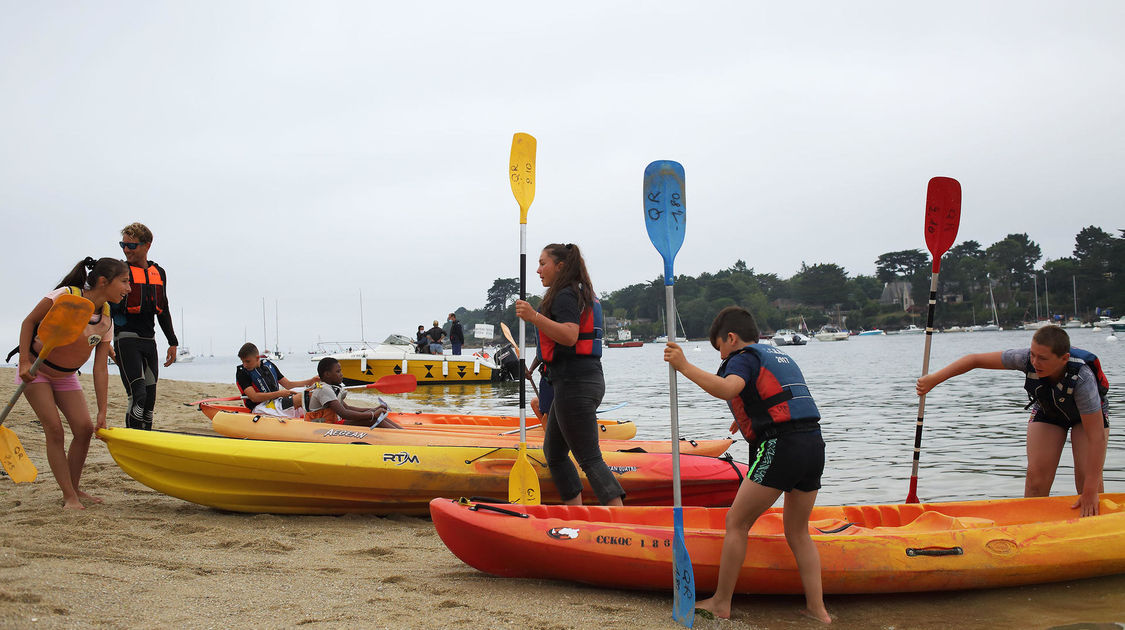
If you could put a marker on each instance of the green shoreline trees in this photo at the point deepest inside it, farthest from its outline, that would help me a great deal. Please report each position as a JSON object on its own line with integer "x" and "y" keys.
{"x": 824, "y": 293}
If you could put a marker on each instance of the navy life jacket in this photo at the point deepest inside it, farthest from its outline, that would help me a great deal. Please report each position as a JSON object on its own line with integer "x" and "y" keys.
{"x": 1058, "y": 402}
{"x": 263, "y": 378}
{"x": 590, "y": 331}
{"x": 777, "y": 402}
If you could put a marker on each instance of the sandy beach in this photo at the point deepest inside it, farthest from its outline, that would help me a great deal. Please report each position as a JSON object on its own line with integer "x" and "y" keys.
{"x": 146, "y": 560}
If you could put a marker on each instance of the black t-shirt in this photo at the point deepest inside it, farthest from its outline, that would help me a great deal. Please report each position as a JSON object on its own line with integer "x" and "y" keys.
{"x": 435, "y": 334}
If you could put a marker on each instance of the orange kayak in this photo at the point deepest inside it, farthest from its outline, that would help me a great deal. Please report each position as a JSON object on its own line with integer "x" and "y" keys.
{"x": 260, "y": 427}
{"x": 463, "y": 423}
{"x": 863, "y": 548}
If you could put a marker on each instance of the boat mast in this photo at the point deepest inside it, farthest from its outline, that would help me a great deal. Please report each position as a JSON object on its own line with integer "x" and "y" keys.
{"x": 265, "y": 339}
{"x": 1074, "y": 281}
{"x": 361, "y": 335}
{"x": 1035, "y": 279}
{"x": 995, "y": 317}
{"x": 1046, "y": 296}
{"x": 276, "y": 329}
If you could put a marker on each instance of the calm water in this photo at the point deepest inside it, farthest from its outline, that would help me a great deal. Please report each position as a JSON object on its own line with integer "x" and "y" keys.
{"x": 972, "y": 445}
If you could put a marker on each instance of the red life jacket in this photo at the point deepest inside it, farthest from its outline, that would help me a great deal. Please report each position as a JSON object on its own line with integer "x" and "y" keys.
{"x": 777, "y": 402}
{"x": 590, "y": 328}
{"x": 141, "y": 279}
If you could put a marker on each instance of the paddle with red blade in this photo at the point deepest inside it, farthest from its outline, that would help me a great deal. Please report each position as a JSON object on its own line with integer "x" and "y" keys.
{"x": 389, "y": 384}
{"x": 943, "y": 217}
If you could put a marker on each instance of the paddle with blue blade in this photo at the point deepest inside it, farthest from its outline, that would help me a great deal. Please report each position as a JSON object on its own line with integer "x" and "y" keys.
{"x": 943, "y": 217}
{"x": 61, "y": 325}
{"x": 666, "y": 220}
{"x": 523, "y": 483}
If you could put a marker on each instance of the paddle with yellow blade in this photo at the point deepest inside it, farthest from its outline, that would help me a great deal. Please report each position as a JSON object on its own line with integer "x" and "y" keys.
{"x": 943, "y": 217}
{"x": 523, "y": 483}
{"x": 666, "y": 221}
{"x": 60, "y": 326}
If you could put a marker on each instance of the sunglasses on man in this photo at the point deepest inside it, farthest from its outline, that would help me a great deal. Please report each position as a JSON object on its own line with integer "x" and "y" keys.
{"x": 125, "y": 245}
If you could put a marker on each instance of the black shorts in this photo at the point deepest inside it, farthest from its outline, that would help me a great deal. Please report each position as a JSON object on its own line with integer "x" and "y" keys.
{"x": 793, "y": 460}
{"x": 1037, "y": 415}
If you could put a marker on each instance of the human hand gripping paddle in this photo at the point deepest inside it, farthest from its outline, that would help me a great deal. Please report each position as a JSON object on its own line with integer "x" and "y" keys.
{"x": 60, "y": 326}
{"x": 666, "y": 221}
{"x": 523, "y": 483}
{"x": 943, "y": 216}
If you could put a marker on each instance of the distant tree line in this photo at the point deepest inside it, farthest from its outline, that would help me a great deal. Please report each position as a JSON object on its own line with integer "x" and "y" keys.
{"x": 1093, "y": 276}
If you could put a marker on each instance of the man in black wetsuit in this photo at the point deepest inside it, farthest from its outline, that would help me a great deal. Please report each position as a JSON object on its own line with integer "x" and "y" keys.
{"x": 134, "y": 334}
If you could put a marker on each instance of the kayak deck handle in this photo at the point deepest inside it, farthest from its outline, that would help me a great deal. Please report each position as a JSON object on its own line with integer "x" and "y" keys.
{"x": 934, "y": 551}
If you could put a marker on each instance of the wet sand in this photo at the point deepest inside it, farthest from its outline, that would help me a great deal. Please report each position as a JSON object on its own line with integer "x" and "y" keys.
{"x": 144, "y": 559}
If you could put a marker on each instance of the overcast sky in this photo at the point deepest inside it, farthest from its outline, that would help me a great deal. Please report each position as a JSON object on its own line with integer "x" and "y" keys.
{"x": 302, "y": 152}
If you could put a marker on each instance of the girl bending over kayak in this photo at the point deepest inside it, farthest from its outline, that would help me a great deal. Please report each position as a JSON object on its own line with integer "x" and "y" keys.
{"x": 55, "y": 385}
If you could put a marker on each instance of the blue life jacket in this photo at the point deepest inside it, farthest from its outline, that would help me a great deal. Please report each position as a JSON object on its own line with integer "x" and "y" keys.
{"x": 1058, "y": 402}
{"x": 777, "y": 402}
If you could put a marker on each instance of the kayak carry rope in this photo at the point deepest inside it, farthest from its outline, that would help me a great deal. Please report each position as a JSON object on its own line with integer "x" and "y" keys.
{"x": 666, "y": 222}
{"x": 943, "y": 216}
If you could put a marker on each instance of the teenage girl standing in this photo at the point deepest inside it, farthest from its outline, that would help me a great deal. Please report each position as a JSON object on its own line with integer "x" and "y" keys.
{"x": 570, "y": 328}
{"x": 55, "y": 385}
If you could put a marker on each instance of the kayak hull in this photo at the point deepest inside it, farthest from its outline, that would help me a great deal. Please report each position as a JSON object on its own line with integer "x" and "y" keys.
{"x": 260, "y": 427}
{"x": 307, "y": 478}
{"x": 608, "y": 429}
{"x": 880, "y": 548}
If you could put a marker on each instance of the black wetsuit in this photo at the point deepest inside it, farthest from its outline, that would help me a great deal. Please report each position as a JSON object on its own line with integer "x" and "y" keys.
{"x": 134, "y": 344}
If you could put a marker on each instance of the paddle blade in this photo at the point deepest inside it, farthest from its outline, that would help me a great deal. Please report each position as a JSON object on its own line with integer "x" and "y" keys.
{"x": 683, "y": 606}
{"x": 14, "y": 459}
{"x": 508, "y": 335}
{"x": 521, "y": 171}
{"x": 395, "y": 384}
{"x": 64, "y": 322}
{"x": 943, "y": 216}
{"x": 523, "y": 483}
{"x": 665, "y": 210}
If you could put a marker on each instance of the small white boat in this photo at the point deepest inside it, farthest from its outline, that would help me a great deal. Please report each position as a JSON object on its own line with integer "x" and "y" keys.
{"x": 912, "y": 330}
{"x": 789, "y": 337}
{"x": 184, "y": 355}
{"x": 831, "y": 333}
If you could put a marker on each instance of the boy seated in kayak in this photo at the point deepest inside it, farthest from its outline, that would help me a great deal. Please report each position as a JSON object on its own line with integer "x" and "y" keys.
{"x": 324, "y": 401}
{"x": 775, "y": 412}
{"x": 264, "y": 389}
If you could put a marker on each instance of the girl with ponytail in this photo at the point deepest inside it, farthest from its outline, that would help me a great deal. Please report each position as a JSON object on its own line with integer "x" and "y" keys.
{"x": 569, "y": 322}
{"x": 55, "y": 385}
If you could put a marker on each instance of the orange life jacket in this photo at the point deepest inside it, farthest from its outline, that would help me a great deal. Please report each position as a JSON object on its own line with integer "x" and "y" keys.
{"x": 139, "y": 279}
{"x": 589, "y": 335}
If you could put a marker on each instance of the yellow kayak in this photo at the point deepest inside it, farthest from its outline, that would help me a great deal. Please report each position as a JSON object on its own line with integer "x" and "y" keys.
{"x": 308, "y": 478}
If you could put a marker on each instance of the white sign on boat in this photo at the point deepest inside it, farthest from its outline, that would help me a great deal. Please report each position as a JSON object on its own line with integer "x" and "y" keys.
{"x": 484, "y": 331}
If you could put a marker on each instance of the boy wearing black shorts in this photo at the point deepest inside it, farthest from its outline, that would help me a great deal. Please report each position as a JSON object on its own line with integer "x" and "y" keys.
{"x": 775, "y": 412}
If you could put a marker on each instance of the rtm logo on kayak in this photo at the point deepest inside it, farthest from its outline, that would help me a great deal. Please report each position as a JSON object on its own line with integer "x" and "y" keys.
{"x": 400, "y": 458}
{"x": 621, "y": 470}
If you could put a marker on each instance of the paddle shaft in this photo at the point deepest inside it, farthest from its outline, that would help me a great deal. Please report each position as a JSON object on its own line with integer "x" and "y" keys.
{"x": 523, "y": 332}
{"x": 912, "y": 495}
{"x": 19, "y": 390}
{"x": 673, "y": 399}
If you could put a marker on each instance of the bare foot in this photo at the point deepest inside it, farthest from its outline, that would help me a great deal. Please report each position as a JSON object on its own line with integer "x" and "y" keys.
{"x": 89, "y": 497}
{"x": 713, "y": 607}
{"x": 73, "y": 504}
{"x": 821, "y": 615}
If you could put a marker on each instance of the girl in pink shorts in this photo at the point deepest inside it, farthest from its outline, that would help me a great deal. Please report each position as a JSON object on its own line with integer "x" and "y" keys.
{"x": 55, "y": 385}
